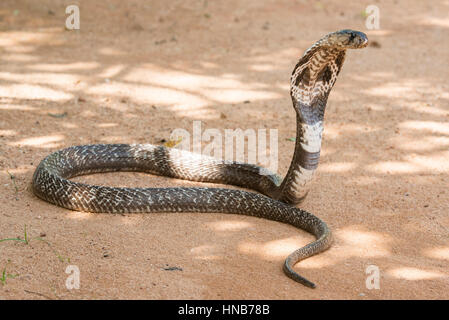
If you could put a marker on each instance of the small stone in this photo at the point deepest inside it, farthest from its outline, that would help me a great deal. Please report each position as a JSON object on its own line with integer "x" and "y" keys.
{"x": 58, "y": 115}
{"x": 172, "y": 268}
{"x": 374, "y": 44}
{"x": 137, "y": 27}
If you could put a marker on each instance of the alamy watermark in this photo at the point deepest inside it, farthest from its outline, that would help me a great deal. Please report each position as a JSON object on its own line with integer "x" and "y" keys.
{"x": 372, "y": 21}
{"x": 373, "y": 279}
{"x": 73, "y": 280}
{"x": 73, "y": 20}
{"x": 233, "y": 139}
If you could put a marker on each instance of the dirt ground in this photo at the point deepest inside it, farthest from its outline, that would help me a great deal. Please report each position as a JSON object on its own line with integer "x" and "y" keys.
{"x": 136, "y": 70}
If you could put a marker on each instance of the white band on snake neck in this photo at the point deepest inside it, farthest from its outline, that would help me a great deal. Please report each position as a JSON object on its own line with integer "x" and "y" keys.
{"x": 311, "y": 137}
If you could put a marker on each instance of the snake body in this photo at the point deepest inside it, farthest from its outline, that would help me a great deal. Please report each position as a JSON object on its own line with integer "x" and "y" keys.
{"x": 311, "y": 82}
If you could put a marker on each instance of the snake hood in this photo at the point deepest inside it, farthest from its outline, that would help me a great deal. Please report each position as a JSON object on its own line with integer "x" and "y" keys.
{"x": 311, "y": 82}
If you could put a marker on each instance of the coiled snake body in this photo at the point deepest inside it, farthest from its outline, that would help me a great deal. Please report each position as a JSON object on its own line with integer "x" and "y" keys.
{"x": 311, "y": 81}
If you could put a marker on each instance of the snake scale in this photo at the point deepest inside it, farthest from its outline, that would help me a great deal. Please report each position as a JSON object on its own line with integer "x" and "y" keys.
{"x": 311, "y": 82}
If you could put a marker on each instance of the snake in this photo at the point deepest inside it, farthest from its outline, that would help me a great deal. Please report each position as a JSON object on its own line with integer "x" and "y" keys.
{"x": 275, "y": 198}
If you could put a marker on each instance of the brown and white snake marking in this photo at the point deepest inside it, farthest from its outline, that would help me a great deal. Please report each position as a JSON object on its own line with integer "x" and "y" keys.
{"x": 311, "y": 82}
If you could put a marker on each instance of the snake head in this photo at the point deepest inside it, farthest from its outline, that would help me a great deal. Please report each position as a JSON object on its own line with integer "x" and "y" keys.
{"x": 345, "y": 39}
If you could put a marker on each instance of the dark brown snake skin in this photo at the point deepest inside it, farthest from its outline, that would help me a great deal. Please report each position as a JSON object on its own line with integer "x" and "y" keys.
{"x": 311, "y": 83}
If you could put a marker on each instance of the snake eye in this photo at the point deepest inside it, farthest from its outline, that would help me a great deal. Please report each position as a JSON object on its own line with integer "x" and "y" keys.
{"x": 351, "y": 37}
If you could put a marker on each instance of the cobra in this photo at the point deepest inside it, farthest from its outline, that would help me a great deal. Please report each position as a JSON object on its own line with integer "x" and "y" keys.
{"x": 311, "y": 82}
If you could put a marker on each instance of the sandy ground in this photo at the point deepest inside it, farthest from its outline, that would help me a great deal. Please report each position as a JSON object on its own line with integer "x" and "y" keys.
{"x": 136, "y": 70}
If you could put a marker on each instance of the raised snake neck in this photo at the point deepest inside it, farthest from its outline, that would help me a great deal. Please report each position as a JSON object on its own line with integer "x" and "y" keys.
{"x": 311, "y": 82}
